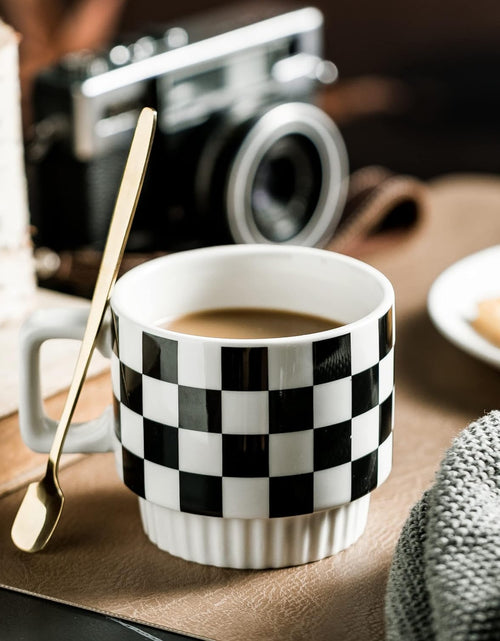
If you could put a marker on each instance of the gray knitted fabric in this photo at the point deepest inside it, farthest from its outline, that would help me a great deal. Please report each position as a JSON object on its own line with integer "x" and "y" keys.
{"x": 444, "y": 582}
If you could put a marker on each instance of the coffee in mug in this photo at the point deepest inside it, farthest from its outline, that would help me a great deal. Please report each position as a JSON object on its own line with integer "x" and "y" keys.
{"x": 246, "y": 452}
{"x": 248, "y": 322}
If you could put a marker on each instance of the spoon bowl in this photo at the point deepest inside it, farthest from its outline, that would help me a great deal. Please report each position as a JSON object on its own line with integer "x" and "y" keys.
{"x": 38, "y": 514}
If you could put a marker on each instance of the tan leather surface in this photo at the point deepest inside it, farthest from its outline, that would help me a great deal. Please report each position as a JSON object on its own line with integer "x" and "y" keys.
{"x": 100, "y": 559}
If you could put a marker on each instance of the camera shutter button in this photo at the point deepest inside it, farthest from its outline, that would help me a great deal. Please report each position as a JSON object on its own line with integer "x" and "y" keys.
{"x": 144, "y": 48}
{"x": 176, "y": 37}
{"x": 119, "y": 55}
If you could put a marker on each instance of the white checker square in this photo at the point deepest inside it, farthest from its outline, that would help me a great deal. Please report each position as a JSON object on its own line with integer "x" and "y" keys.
{"x": 130, "y": 344}
{"x": 384, "y": 460}
{"x": 199, "y": 364}
{"x": 245, "y": 498}
{"x": 161, "y": 485}
{"x": 332, "y": 487}
{"x": 118, "y": 452}
{"x": 364, "y": 346}
{"x": 332, "y": 402}
{"x": 386, "y": 376}
{"x": 115, "y": 375}
{"x": 245, "y": 412}
{"x": 365, "y": 433}
{"x": 160, "y": 401}
{"x": 290, "y": 366}
{"x": 291, "y": 453}
{"x": 200, "y": 452}
{"x": 132, "y": 431}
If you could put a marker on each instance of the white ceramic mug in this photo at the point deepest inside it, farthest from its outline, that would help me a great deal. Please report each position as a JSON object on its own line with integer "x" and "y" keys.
{"x": 245, "y": 453}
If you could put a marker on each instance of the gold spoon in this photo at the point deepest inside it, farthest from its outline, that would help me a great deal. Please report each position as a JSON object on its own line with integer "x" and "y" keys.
{"x": 42, "y": 505}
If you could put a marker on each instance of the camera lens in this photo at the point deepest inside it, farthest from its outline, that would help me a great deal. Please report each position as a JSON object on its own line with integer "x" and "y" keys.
{"x": 287, "y": 178}
{"x": 286, "y": 188}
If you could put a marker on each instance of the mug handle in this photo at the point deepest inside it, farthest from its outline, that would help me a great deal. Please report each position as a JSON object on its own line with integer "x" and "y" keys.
{"x": 37, "y": 429}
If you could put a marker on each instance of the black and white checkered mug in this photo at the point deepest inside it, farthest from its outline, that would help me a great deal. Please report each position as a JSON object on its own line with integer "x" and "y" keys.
{"x": 245, "y": 453}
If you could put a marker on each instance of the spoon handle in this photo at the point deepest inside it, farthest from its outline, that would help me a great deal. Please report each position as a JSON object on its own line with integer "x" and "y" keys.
{"x": 121, "y": 221}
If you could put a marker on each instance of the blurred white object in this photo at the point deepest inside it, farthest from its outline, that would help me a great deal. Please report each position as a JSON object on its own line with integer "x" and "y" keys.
{"x": 17, "y": 277}
{"x": 454, "y": 297}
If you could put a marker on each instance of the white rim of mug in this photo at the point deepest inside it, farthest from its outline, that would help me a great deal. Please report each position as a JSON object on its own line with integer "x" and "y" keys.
{"x": 141, "y": 271}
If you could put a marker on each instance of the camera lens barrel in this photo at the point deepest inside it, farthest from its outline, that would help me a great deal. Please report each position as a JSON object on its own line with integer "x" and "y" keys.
{"x": 286, "y": 188}
{"x": 287, "y": 181}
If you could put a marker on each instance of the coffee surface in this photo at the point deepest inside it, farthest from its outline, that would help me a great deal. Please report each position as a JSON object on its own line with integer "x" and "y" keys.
{"x": 242, "y": 322}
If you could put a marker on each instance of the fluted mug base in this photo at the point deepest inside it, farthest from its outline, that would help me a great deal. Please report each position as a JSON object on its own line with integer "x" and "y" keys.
{"x": 255, "y": 543}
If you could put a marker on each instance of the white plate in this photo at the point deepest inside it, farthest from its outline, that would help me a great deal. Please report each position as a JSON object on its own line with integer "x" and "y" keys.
{"x": 453, "y": 299}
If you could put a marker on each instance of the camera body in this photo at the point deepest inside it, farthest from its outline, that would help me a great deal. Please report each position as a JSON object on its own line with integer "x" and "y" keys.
{"x": 241, "y": 152}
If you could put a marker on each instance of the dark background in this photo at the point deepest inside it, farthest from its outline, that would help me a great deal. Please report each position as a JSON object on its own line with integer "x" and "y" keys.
{"x": 372, "y": 37}
{"x": 419, "y": 81}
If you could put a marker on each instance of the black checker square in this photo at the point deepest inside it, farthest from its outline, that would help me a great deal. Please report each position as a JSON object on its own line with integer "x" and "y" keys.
{"x": 364, "y": 475}
{"x": 385, "y": 419}
{"x": 131, "y": 388}
{"x": 332, "y": 445}
{"x": 159, "y": 357}
{"x": 200, "y": 409}
{"x": 331, "y": 359}
{"x": 291, "y": 495}
{"x": 244, "y": 368}
{"x": 245, "y": 455}
{"x": 385, "y": 333}
{"x": 161, "y": 444}
{"x": 114, "y": 333}
{"x": 291, "y": 410}
{"x": 116, "y": 418}
{"x": 200, "y": 494}
{"x": 133, "y": 472}
{"x": 365, "y": 390}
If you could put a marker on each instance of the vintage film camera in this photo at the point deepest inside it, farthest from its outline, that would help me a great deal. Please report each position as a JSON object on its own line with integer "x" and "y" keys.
{"x": 241, "y": 153}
